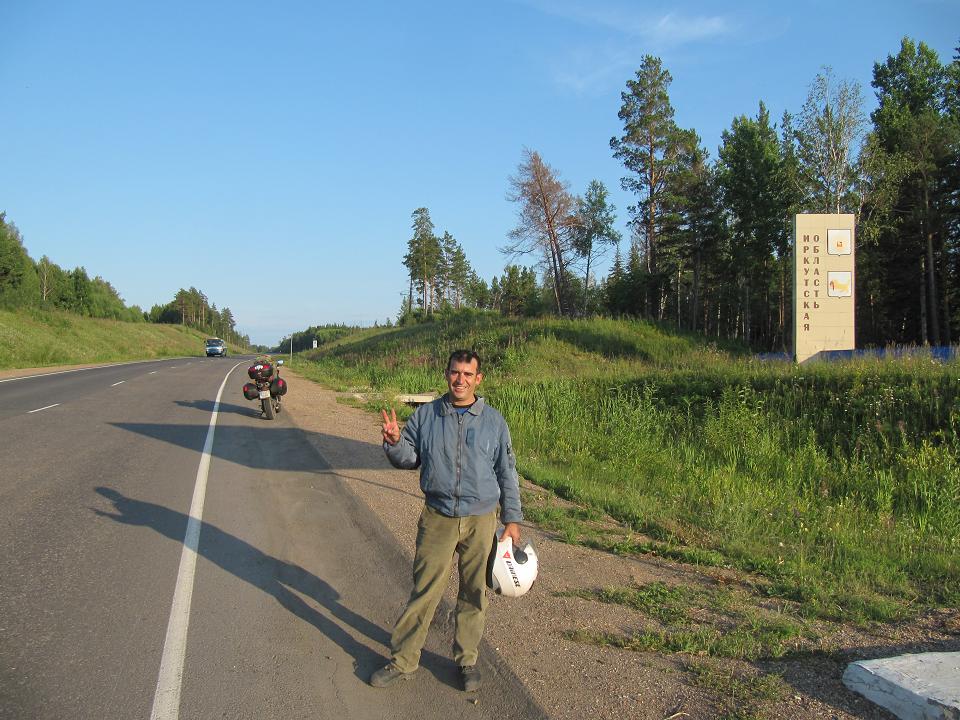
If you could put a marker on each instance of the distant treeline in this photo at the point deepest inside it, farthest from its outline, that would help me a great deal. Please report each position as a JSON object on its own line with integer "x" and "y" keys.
{"x": 191, "y": 307}
{"x": 710, "y": 246}
{"x": 323, "y": 334}
{"x": 25, "y": 283}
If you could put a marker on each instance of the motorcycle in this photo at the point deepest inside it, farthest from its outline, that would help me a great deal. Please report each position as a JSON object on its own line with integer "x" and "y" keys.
{"x": 266, "y": 387}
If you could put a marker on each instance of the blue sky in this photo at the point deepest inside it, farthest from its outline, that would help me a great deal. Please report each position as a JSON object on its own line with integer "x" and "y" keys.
{"x": 271, "y": 154}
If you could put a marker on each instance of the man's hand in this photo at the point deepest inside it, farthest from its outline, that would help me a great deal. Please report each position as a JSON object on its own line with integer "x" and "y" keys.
{"x": 391, "y": 429}
{"x": 512, "y": 531}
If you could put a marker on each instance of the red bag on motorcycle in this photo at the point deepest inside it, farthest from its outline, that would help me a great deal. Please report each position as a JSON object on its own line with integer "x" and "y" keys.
{"x": 278, "y": 387}
{"x": 260, "y": 371}
{"x": 250, "y": 391}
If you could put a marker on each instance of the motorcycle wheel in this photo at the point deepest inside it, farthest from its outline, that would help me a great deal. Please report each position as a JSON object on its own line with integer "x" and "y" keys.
{"x": 267, "y": 405}
{"x": 278, "y": 405}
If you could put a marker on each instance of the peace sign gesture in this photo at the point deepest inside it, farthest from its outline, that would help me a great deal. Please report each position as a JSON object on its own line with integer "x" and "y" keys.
{"x": 391, "y": 430}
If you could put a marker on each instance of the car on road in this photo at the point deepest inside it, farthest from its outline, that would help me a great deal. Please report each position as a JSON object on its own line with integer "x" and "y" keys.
{"x": 216, "y": 348}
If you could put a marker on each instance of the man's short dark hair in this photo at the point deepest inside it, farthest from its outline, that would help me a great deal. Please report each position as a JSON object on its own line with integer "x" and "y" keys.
{"x": 463, "y": 356}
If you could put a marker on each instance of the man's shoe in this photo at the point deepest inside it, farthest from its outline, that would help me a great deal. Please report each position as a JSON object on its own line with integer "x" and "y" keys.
{"x": 470, "y": 678}
{"x": 388, "y": 675}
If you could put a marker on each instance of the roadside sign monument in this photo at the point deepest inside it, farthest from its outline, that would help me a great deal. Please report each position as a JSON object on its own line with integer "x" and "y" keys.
{"x": 823, "y": 284}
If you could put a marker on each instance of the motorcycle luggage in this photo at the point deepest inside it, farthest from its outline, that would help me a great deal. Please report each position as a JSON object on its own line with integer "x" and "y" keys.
{"x": 260, "y": 371}
{"x": 250, "y": 391}
{"x": 278, "y": 387}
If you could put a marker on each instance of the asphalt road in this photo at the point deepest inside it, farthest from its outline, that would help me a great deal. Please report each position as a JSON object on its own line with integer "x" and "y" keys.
{"x": 283, "y": 616}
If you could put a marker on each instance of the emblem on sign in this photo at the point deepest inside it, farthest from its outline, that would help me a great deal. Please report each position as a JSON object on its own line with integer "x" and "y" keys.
{"x": 839, "y": 242}
{"x": 839, "y": 284}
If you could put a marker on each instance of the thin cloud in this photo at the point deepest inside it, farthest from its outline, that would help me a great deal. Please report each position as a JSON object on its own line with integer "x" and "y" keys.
{"x": 656, "y": 29}
{"x": 680, "y": 30}
{"x": 583, "y": 71}
{"x": 621, "y": 34}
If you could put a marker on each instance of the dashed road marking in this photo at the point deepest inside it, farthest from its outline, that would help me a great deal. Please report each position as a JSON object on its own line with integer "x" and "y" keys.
{"x": 45, "y": 407}
{"x": 73, "y": 370}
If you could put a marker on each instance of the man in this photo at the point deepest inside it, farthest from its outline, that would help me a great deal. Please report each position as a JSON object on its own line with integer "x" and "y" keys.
{"x": 467, "y": 467}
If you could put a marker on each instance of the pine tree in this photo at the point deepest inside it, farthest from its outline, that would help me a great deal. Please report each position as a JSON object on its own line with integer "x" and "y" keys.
{"x": 755, "y": 193}
{"x": 915, "y": 124}
{"x": 649, "y": 148}
{"x": 423, "y": 256}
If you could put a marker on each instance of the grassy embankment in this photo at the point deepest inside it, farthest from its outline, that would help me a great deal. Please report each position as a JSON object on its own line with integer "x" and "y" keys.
{"x": 43, "y": 338}
{"x": 835, "y": 487}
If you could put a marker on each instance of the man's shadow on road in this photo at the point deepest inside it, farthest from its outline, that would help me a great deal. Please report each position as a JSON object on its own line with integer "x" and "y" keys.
{"x": 275, "y": 577}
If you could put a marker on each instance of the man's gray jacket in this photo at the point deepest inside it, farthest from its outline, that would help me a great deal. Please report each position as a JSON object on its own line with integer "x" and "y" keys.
{"x": 466, "y": 461}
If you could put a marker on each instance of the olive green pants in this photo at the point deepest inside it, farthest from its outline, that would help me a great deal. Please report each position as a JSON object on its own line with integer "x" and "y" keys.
{"x": 438, "y": 538}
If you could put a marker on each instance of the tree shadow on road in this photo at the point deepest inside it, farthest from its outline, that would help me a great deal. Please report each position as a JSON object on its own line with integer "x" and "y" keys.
{"x": 284, "y": 581}
{"x": 268, "y": 446}
{"x": 278, "y": 447}
{"x": 224, "y": 408}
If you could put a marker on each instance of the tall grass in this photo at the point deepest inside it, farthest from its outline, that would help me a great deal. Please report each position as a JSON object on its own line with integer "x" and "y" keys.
{"x": 41, "y": 338}
{"x": 849, "y": 534}
{"x": 839, "y": 483}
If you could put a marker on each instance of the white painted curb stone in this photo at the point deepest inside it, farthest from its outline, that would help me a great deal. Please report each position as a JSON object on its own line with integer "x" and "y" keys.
{"x": 925, "y": 686}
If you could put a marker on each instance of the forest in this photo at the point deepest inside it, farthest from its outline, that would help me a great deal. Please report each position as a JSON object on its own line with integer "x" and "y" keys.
{"x": 710, "y": 240}
{"x": 44, "y": 285}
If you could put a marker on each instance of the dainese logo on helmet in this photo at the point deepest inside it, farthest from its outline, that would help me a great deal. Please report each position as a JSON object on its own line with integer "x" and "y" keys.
{"x": 513, "y": 572}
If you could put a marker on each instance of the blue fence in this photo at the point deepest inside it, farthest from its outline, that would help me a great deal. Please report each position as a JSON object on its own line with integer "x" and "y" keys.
{"x": 936, "y": 352}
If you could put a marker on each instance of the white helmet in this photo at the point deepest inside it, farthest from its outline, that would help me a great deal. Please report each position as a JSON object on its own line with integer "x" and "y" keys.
{"x": 511, "y": 571}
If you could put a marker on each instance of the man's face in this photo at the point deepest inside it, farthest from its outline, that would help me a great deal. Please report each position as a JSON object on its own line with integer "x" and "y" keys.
{"x": 462, "y": 381}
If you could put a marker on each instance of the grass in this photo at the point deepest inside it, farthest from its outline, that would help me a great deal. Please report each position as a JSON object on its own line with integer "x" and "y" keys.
{"x": 741, "y": 695}
{"x": 753, "y": 643}
{"x": 836, "y": 484}
{"x": 669, "y": 605}
{"x": 579, "y": 526}
{"x": 41, "y": 338}
{"x": 715, "y": 622}
{"x": 858, "y": 530}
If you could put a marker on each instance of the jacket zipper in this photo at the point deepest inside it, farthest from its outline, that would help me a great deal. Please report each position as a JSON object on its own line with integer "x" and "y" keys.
{"x": 456, "y": 504}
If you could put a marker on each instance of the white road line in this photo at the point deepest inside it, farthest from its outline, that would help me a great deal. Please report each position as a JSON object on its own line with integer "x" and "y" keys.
{"x": 166, "y": 699}
{"x": 152, "y": 372}
{"x": 45, "y": 407}
{"x": 118, "y": 383}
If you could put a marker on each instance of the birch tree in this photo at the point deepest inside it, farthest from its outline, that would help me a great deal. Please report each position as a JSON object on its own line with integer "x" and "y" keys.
{"x": 593, "y": 230}
{"x": 829, "y": 135}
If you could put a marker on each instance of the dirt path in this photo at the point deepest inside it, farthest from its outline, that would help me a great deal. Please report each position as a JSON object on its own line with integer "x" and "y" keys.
{"x": 573, "y": 679}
